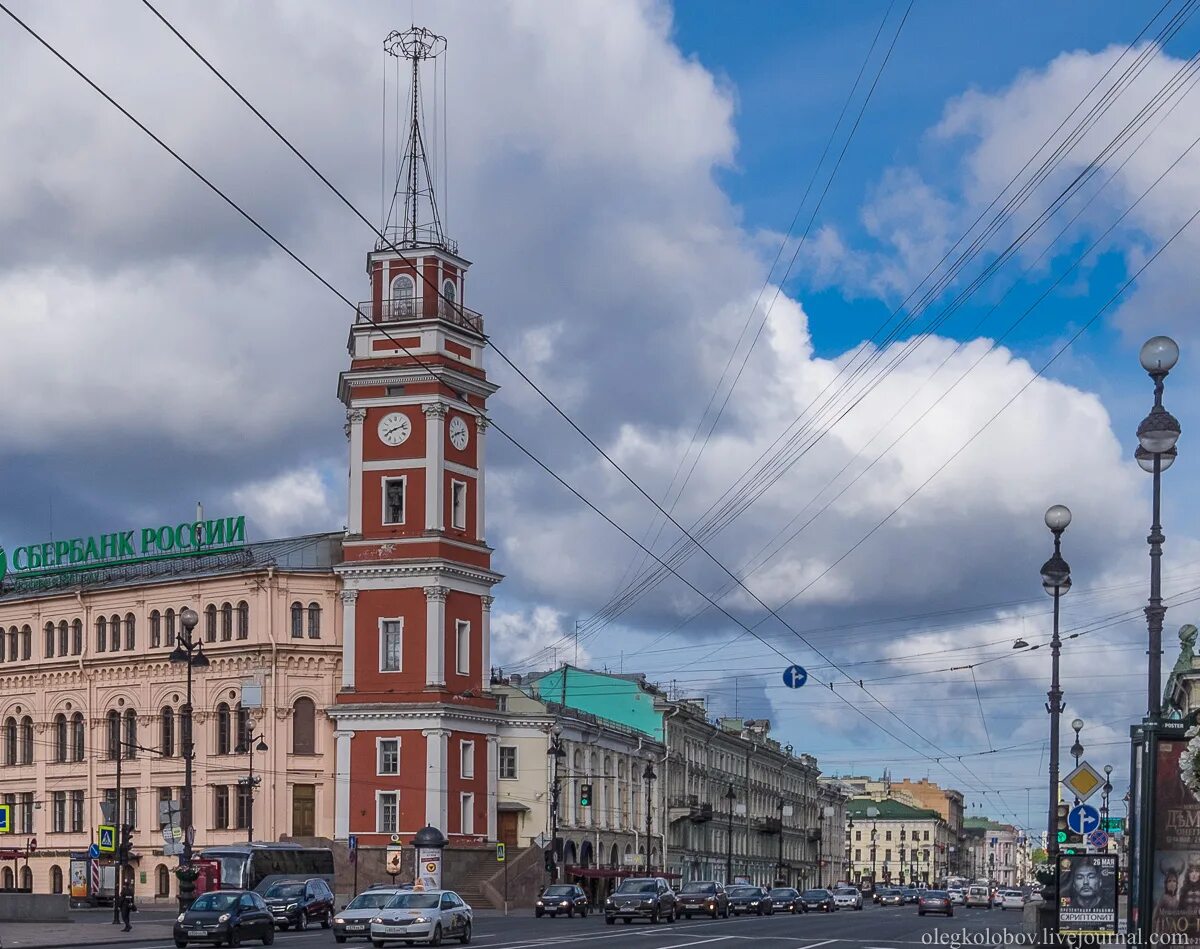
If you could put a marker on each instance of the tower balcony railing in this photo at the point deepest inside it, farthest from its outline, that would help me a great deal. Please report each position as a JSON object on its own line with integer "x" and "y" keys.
{"x": 409, "y": 310}
{"x": 399, "y": 237}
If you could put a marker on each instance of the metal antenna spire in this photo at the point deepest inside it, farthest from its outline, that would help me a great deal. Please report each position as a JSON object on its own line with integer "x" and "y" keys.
{"x": 422, "y": 224}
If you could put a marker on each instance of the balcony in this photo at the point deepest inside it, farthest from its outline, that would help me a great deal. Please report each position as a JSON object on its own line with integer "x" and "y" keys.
{"x": 408, "y": 310}
{"x": 767, "y": 825}
{"x": 701, "y": 813}
{"x": 689, "y": 807}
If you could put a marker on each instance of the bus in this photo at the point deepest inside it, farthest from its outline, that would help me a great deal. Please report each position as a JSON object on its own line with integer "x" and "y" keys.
{"x": 256, "y": 866}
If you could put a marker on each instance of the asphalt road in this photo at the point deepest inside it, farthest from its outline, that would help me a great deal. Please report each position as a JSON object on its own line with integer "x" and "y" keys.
{"x": 872, "y": 928}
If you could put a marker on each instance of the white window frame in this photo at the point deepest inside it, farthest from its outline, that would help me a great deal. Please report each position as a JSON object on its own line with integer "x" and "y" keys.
{"x": 453, "y": 294}
{"x": 379, "y": 828}
{"x": 516, "y": 767}
{"x": 383, "y": 486}
{"x": 399, "y": 620}
{"x": 458, "y": 512}
{"x": 466, "y": 759}
{"x": 379, "y": 756}
{"x": 466, "y": 812}
{"x": 462, "y": 637}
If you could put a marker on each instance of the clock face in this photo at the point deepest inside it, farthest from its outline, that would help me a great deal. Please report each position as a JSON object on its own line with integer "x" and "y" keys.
{"x": 458, "y": 433}
{"x": 394, "y": 429}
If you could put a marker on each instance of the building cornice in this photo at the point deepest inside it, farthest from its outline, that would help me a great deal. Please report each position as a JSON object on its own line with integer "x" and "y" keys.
{"x": 356, "y": 571}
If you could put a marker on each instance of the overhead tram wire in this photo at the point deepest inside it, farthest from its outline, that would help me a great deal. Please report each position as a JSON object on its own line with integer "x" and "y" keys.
{"x": 1093, "y": 116}
{"x": 518, "y": 445}
{"x": 770, "y": 273}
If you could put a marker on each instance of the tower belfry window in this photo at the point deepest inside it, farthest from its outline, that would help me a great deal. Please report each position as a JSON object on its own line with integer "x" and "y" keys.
{"x": 402, "y": 296}
{"x": 393, "y": 500}
{"x": 449, "y": 293}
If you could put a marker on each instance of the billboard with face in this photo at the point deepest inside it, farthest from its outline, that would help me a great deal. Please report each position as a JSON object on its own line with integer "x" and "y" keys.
{"x": 1087, "y": 900}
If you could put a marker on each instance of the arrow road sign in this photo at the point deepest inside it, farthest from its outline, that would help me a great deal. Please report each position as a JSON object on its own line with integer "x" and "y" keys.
{"x": 1097, "y": 839}
{"x": 795, "y": 676}
{"x": 1083, "y": 819}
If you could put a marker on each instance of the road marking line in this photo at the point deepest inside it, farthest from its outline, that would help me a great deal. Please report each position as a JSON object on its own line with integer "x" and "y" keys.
{"x": 699, "y": 942}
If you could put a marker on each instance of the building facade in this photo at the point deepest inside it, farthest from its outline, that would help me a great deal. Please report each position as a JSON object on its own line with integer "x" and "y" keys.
{"x": 86, "y": 683}
{"x": 893, "y": 843}
{"x": 1000, "y": 852}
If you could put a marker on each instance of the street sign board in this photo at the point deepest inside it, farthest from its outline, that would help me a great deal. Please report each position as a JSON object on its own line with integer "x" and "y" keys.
{"x": 1097, "y": 839}
{"x": 394, "y": 857}
{"x": 1083, "y": 819}
{"x": 93, "y": 852}
{"x": 352, "y": 841}
{"x": 1114, "y": 825}
{"x": 500, "y": 853}
{"x": 1084, "y": 781}
{"x": 795, "y": 676}
{"x": 5, "y": 818}
{"x": 106, "y": 838}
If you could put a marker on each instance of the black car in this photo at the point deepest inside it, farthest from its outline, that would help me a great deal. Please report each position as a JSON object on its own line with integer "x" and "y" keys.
{"x": 819, "y": 900}
{"x": 909, "y": 893}
{"x": 787, "y": 900}
{"x": 562, "y": 898}
{"x": 641, "y": 898}
{"x": 703, "y": 896}
{"x": 891, "y": 897}
{"x": 750, "y": 900}
{"x": 225, "y": 916}
{"x": 296, "y": 903}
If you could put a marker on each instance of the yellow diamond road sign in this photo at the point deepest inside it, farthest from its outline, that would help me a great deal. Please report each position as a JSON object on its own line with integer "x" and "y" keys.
{"x": 1084, "y": 781}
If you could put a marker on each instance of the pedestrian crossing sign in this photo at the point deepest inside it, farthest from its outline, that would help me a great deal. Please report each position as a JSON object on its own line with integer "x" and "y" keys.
{"x": 5, "y": 818}
{"x": 107, "y": 838}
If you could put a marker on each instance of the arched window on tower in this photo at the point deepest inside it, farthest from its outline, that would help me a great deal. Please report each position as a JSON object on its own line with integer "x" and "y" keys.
{"x": 60, "y": 737}
{"x": 403, "y": 294}
{"x": 167, "y": 719}
{"x": 304, "y": 727}
{"x": 10, "y": 741}
{"x": 155, "y": 628}
{"x": 297, "y": 620}
{"x": 314, "y": 621}
{"x": 223, "y": 730}
{"x": 113, "y": 734}
{"x": 226, "y": 621}
{"x": 131, "y": 738}
{"x": 449, "y": 294}
{"x": 27, "y": 740}
{"x": 78, "y": 741}
{"x": 243, "y": 620}
{"x": 130, "y": 631}
{"x": 210, "y": 623}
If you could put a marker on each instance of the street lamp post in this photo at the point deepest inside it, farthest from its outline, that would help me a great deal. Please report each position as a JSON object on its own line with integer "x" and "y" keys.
{"x": 1077, "y": 748}
{"x": 779, "y": 864}
{"x": 1056, "y": 580}
{"x": 555, "y": 751}
{"x": 730, "y": 796}
{"x": 648, "y": 776}
{"x": 1108, "y": 788}
{"x": 250, "y": 781}
{"x": 873, "y": 812}
{"x": 190, "y": 652}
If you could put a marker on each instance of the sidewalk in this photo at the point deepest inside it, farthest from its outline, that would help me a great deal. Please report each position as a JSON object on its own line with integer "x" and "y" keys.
{"x": 89, "y": 927}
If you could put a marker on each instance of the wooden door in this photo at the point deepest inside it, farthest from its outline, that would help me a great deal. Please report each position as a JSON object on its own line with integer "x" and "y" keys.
{"x": 507, "y": 828}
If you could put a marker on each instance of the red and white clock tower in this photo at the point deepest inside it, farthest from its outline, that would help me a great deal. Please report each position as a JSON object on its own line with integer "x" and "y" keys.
{"x": 416, "y": 726}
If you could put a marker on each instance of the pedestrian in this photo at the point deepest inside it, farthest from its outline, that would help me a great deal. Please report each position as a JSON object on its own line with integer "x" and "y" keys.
{"x": 127, "y": 906}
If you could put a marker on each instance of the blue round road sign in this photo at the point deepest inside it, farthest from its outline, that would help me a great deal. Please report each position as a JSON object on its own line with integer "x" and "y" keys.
{"x": 794, "y": 676}
{"x": 1083, "y": 819}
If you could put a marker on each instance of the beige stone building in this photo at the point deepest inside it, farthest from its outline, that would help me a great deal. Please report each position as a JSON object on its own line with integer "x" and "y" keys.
{"x": 85, "y": 676}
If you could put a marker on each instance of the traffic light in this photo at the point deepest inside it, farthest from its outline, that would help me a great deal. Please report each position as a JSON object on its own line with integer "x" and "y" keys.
{"x": 585, "y": 795}
{"x": 125, "y": 847}
{"x": 549, "y": 855}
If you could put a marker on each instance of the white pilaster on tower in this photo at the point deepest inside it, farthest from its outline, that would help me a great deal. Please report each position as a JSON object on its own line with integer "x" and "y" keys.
{"x": 435, "y": 456}
{"x": 493, "y": 783}
{"x": 341, "y": 795}
{"x": 435, "y": 636}
{"x": 485, "y": 633}
{"x": 481, "y": 424}
{"x": 354, "y": 429}
{"x": 349, "y": 606}
{"x": 437, "y": 742}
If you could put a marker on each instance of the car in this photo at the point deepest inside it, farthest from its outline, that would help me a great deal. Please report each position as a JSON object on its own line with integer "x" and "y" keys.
{"x": 978, "y": 896}
{"x": 354, "y": 921}
{"x": 786, "y": 900}
{"x": 703, "y": 896}
{"x": 909, "y": 893}
{"x": 296, "y": 903}
{"x": 935, "y": 901}
{"x": 847, "y": 897}
{"x": 225, "y": 916}
{"x": 750, "y": 900}
{"x": 890, "y": 896}
{"x": 956, "y": 894}
{"x": 565, "y": 899}
{"x": 641, "y": 898}
{"x": 1012, "y": 899}
{"x": 427, "y": 916}
{"x": 819, "y": 900}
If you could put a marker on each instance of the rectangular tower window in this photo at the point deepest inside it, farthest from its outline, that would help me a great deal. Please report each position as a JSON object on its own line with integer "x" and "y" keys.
{"x": 508, "y": 762}
{"x": 467, "y": 759}
{"x": 389, "y": 756}
{"x": 458, "y": 505}
{"x": 391, "y": 635}
{"x": 462, "y": 647}
{"x": 393, "y": 500}
{"x": 388, "y": 818}
{"x": 467, "y": 802}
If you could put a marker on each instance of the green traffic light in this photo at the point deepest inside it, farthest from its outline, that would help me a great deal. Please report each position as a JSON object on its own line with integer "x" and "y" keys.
{"x": 1062, "y": 836}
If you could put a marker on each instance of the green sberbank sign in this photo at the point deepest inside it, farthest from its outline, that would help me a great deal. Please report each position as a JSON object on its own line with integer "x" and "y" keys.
{"x": 187, "y": 539}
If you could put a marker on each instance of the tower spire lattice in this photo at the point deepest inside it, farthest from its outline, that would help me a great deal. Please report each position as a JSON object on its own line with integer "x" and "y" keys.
{"x": 421, "y": 224}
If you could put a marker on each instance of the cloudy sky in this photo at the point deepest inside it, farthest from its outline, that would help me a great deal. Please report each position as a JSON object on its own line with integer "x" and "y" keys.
{"x": 855, "y": 330}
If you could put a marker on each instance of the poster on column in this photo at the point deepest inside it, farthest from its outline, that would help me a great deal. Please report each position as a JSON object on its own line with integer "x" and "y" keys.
{"x": 429, "y": 867}
{"x": 1175, "y": 864}
{"x": 1087, "y": 902}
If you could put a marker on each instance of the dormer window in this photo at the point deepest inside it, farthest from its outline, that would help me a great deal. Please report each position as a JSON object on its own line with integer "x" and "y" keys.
{"x": 403, "y": 292}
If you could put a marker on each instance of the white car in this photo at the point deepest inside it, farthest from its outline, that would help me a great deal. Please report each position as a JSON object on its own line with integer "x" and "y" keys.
{"x": 427, "y": 916}
{"x": 847, "y": 897}
{"x": 956, "y": 895}
{"x": 1012, "y": 899}
{"x": 354, "y": 921}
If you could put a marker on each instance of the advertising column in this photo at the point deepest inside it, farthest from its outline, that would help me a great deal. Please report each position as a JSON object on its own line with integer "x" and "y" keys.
{"x": 1174, "y": 865}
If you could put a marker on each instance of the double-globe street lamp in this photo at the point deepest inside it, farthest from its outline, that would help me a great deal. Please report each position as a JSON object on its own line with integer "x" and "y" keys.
{"x": 648, "y": 776}
{"x": 191, "y": 653}
{"x": 730, "y": 797}
{"x": 250, "y": 781}
{"x": 1056, "y": 580}
{"x": 556, "y": 752}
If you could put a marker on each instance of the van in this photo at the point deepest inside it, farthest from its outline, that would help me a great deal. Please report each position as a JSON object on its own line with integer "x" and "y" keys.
{"x": 978, "y": 896}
